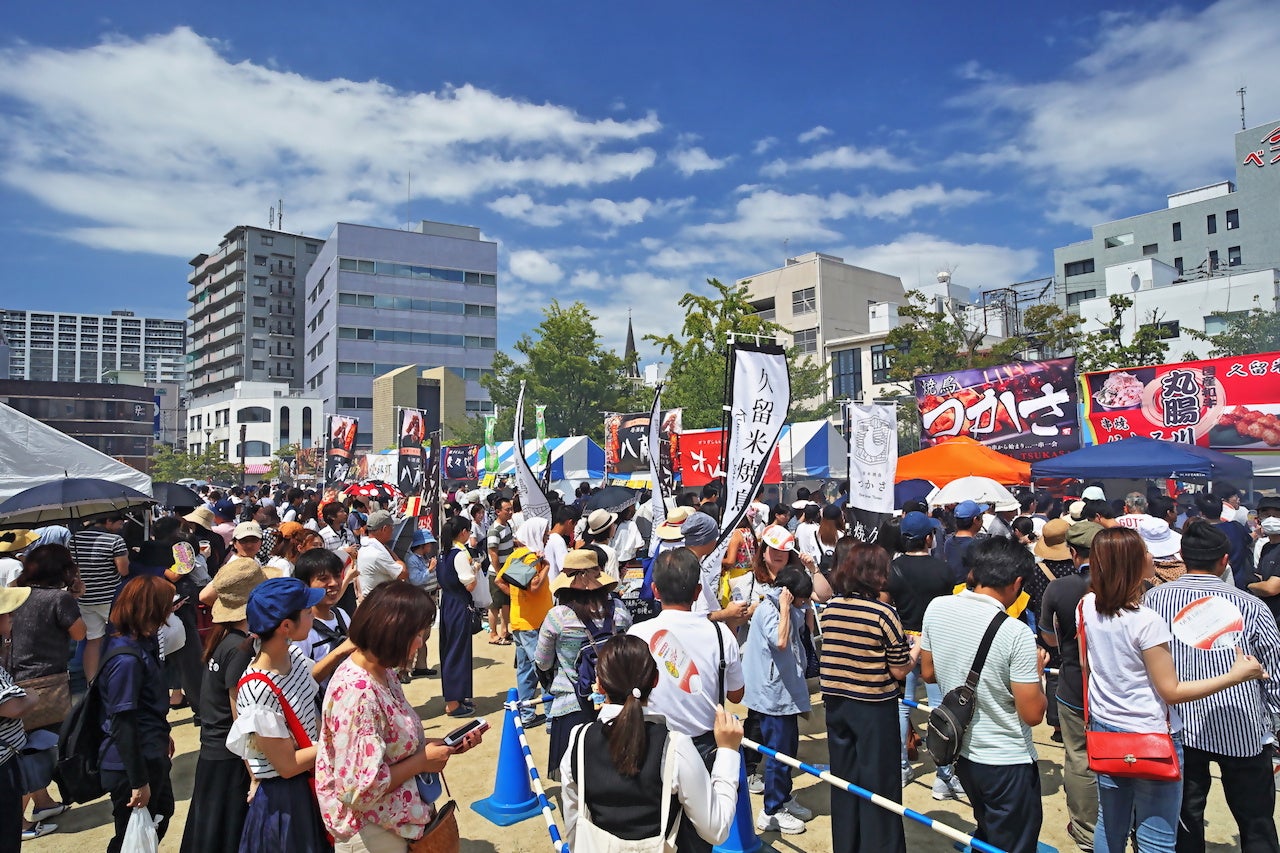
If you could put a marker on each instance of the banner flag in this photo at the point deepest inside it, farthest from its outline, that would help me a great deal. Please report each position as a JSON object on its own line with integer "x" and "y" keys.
{"x": 460, "y": 462}
{"x": 540, "y": 432}
{"x": 1028, "y": 410}
{"x": 626, "y": 442}
{"x": 342, "y": 439}
{"x": 410, "y": 467}
{"x": 1229, "y": 404}
{"x": 760, "y": 395}
{"x": 490, "y": 447}
{"x": 431, "y": 484}
{"x": 873, "y": 460}
{"x": 533, "y": 500}
{"x": 657, "y": 480}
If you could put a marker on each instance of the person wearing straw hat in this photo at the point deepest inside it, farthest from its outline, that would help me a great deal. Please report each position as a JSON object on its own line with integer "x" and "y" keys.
{"x": 14, "y": 702}
{"x": 1053, "y": 561}
{"x": 13, "y": 543}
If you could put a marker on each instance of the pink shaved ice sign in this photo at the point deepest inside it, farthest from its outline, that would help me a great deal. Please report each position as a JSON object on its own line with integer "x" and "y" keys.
{"x": 1209, "y": 623}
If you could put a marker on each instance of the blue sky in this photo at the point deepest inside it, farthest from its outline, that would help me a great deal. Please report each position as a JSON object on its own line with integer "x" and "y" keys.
{"x": 620, "y": 156}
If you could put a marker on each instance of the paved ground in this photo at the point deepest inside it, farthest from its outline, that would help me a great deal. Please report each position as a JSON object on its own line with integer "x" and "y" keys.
{"x": 86, "y": 828}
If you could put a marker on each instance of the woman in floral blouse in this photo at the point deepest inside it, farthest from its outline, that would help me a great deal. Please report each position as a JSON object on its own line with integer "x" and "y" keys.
{"x": 371, "y": 741}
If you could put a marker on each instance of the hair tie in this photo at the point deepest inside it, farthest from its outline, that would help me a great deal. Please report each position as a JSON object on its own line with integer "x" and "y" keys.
{"x": 635, "y": 691}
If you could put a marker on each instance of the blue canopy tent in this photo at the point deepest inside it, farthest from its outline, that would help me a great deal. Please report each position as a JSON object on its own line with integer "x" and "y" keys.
{"x": 572, "y": 459}
{"x": 1146, "y": 458}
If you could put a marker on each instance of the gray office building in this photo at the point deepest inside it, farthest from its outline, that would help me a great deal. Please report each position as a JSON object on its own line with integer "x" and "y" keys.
{"x": 378, "y": 299}
{"x": 246, "y": 309}
{"x": 58, "y": 346}
{"x": 1203, "y": 231}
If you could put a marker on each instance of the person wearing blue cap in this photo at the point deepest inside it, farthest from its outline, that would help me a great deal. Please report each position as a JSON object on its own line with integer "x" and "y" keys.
{"x": 276, "y": 722}
{"x": 421, "y": 561}
{"x": 968, "y": 516}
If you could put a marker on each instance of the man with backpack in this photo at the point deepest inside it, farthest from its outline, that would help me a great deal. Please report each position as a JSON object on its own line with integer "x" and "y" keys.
{"x": 997, "y": 760}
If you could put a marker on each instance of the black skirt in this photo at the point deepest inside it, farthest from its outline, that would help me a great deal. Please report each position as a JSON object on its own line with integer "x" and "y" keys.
{"x": 218, "y": 807}
{"x": 284, "y": 816}
{"x": 560, "y": 729}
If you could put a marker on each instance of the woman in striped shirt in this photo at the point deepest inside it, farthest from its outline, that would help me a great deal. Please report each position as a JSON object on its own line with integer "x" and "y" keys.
{"x": 864, "y": 656}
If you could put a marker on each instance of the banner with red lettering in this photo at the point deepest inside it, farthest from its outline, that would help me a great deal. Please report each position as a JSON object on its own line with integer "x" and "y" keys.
{"x": 1229, "y": 404}
{"x": 1028, "y": 410}
{"x": 342, "y": 439}
{"x": 700, "y": 455}
{"x": 626, "y": 441}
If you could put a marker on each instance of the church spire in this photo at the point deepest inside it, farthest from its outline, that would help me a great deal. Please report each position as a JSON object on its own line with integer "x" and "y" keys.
{"x": 630, "y": 356}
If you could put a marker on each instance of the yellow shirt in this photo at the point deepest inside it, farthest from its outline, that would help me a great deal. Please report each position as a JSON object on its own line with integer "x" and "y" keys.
{"x": 528, "y": 609}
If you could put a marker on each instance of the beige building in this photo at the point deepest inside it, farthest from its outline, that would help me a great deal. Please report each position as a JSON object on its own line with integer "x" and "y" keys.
{"x": 832, "y": 312}
{"x": 439, "y": 392}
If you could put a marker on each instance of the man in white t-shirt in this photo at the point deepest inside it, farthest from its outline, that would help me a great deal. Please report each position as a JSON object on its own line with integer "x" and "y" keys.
{"x": 1135, "y": 510}
{"x": 557, "y": 547}
{"x": 374, "y": 563}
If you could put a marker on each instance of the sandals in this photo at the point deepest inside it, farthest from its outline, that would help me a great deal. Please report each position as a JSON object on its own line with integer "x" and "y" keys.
{"x": 52, "y": 811}
{"x": 501, "y": 641}
{"x": 38, "y": 831}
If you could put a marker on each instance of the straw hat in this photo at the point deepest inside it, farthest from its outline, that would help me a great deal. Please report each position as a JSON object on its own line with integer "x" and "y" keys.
{"x": 202, "y": 516}
{"x": 669, "y": 530}
{"x": 234, "y": 582}
{"x": 1052, "y": 544}
{"x": 13, "y": 541}
{"x": 582, "y": 572}
{"x": 12, "y": 597}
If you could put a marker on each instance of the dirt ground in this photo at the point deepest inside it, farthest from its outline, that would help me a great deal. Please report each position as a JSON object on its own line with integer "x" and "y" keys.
{"x": 87, "y": 828}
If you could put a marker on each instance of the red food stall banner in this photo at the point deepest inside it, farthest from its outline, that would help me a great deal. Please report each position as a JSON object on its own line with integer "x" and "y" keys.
{"x": 700, "y": 459}
{"x": 1229, "y": 404}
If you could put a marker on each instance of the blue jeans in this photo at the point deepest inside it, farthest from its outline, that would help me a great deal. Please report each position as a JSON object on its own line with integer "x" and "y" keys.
{"x": 526, "y": 643}
{"x": 934, "y": 692}
{"x": 783, "y": 734}
{"x": 1152, "y": 807}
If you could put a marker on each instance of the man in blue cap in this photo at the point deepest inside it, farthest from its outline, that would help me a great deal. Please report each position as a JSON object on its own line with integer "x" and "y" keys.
{"x": 968, "y": 516}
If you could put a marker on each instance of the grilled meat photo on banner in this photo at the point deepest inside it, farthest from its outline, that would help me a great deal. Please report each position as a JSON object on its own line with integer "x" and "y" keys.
{"x": 409, "y": 464}
{"x": 342, "y": 439}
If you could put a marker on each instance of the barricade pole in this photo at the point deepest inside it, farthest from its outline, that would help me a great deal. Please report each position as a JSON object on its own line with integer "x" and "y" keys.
{"x": 530, "y": 703}
{"x": 557, "y": 843}
{"x": 883, "y": 802}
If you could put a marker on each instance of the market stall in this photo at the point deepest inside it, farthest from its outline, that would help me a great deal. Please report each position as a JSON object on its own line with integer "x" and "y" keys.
{"x": 1146, "y": 458}
{"x": 572, "y": 460}
{"x": 962, "y": 457}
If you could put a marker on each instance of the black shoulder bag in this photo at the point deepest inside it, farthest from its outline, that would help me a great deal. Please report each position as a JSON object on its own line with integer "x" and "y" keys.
{"x": 949, "y": 721}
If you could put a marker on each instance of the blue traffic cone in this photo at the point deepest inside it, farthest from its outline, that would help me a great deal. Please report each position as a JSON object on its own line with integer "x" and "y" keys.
{"x": 742, "y": 834}
{"x": 512, "y": 799}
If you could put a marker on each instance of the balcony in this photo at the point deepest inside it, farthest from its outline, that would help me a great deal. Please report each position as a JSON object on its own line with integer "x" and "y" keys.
{"x": 279, "y": 309}
{"x": 280, "y": 351}
{"x": 280, "y": 373}
{"x": 282, "y": 288}
{"x": 226, "y": 273}
{"x": 281, "y": 330}
{"x": 282, "y": 268}
{"x": 220, "y": 355}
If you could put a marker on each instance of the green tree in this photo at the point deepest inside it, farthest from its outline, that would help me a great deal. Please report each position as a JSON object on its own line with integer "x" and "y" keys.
{"x": 1246, "y": 332}
{"x": 1104, "y": 349}
{"x": 696, "y": 378}
{"x": 169, "y": 466}
{"x": 565, "y": 368}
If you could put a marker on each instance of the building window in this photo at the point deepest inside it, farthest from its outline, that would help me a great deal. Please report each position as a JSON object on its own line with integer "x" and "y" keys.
{"x": 1217, "y": 323}
{"x": 1233, "y": 256}
{"x": 1164, "y": 331}
{"x": 846, "y": 374}
{"x": 1211, "y": 223}
{"x": 306, "y": 419}
{"x": 1150, "y": 249}
{"x": 253, "y": 448}
{"x": 259, "y": 302}
{"x": 804, "y": 301}
{"x": 1118, "y": 240}
{"x": 1177, "y": 231}
{"x": 1078, "y": 267}
{"x": 806, "y": 341}
{"x": 312, "y": 248}
{"x": 253, "y": 415}
{"x": 1177, "y": 264}
{"x": 268, "y": 240}
{"x": 259, "y": 322}
{"x": 259, "y": 260}
{"x": 476, "y": 406}
{"x": 355, "y": 402}
{"x": 1233, "y": 220}
{"x": 1213, "y": 260}
{"x": 881, "y": 363}
{"x": 259, "y": 281}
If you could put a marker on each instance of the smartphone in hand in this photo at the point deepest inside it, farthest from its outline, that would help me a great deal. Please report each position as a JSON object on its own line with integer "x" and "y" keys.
{"x": 458, "y": 735}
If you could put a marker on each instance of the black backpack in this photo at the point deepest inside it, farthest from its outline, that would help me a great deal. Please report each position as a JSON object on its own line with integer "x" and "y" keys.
{"x": 80, "y": 738}
{"x": 949, "y": 721}
{"x": 584, "y": 674}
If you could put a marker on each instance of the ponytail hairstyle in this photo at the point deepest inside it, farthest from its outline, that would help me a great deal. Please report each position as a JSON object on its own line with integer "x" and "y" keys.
{"x": 627, "y": 674}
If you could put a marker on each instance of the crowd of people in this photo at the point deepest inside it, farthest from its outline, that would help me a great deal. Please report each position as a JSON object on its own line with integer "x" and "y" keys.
{"x": 288, "y": 623}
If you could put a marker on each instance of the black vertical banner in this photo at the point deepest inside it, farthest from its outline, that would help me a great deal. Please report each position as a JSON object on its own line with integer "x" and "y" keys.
{"x": 409, "y": 467}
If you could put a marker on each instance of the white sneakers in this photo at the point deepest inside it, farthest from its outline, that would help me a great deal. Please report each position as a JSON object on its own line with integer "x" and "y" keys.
{"x": 789, "y": 820}
{"x": 948, "y": 789}
{"x": 755, "y": 783}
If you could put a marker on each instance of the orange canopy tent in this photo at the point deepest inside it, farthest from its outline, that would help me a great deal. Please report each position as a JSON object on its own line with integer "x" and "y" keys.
{"x": 961, "y": 457}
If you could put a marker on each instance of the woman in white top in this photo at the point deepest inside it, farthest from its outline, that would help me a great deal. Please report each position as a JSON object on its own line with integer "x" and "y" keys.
{"x": 807, "y": 531}
{"x": 625, "y": 774}
{"x": 457, "y": 576}
{"x": 1132, "y": 683}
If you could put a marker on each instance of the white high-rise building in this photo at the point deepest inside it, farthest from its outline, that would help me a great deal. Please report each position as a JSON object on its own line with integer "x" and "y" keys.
{"x": 57, "y": 346}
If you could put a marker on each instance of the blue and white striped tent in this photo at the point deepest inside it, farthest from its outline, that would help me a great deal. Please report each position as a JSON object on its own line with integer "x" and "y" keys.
{"x": 812, "y": 450}
{"x": 573, "y": 459}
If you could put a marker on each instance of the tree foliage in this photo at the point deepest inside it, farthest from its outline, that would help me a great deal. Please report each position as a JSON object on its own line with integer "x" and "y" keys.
{"x": 696, "y": 378}
{"x": 565, "y": 368}
{"x": 1104, "y": 349}
{"x": 169, "y": 466}
{"x": 1246, "y": 332}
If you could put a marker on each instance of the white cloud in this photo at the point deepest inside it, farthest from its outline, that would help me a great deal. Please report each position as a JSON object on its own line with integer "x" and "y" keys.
{"x": 814, "y": 134}
{"x": 845, "y": 158}
{"x": 1150, "y": 104}
{"x": 608, "y": 211}
{"x": 917, "y": 258}
{"x": 689, "y": 161}
{"x": 763, "y": 145}
{"x": 586, "y": 279}
{"x": 215, "y": 141}
{"x": 534, "y": 267}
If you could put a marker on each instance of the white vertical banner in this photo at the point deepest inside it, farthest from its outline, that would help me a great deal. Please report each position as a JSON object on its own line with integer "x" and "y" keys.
{"x": 873, "y": 462}
{"x": 657, "y": 502}
{"x": 760, "y": 395}
{"x": 533, "y": 501}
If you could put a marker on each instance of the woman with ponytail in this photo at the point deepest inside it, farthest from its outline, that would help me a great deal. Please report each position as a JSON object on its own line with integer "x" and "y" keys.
{"x": 627, "y": 777}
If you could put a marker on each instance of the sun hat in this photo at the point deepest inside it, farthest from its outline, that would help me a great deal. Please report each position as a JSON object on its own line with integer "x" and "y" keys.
{"x": 421, "y": 537}
{"x": 1161, "y": 541}
{"x": 1008, "y": 506}
{"x": 699, "y": 529}
{"x": 247, "y": 530}
{"x": 288, "y": 529}
{"x": 233, "y": 583}
{"x": 1081, "y": 535}
{"x": 1052, "y": 544}
{"x": 581, "y": 559}
{"x": 378, "y": 520}
{"x": 600, "y": 520}
{"x": 12, "y": 541}
{"x": 1094, "y": 493}
{"x": 276, "y": 599}
{"x": 967, "y": 509}
{"x": 916, "y": 525}
{"x": 12, "y": 597}
{"x": 581, "y": 571}
{"x": 779, "y": 538}
{"x": 201, "y": 516}
{"x": 669, "y": 530}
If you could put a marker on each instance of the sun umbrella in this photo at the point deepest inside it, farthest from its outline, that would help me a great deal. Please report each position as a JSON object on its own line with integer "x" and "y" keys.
{"x": 374, "y": 490}
{"x": 612, "y": 498}
{"x": 911, "y": 490}
{"x": 978, "y": 489}
{"x": 68, "y": 499}
{"x": 174, "y": 494}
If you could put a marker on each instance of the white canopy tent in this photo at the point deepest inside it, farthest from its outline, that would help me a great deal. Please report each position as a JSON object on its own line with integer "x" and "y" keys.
{"x": 33, "y": 453}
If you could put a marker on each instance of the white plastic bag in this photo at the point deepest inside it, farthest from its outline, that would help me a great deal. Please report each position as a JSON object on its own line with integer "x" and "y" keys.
{"x": 140, "y": 836}
{"x": 480, "y": 596}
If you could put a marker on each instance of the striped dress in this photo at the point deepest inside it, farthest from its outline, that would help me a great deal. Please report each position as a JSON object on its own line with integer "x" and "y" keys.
{"x": 861, "y": 639}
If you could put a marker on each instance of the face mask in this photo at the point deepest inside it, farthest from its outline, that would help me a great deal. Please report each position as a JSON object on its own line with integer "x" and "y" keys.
{"x": 1271, "y": 525}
